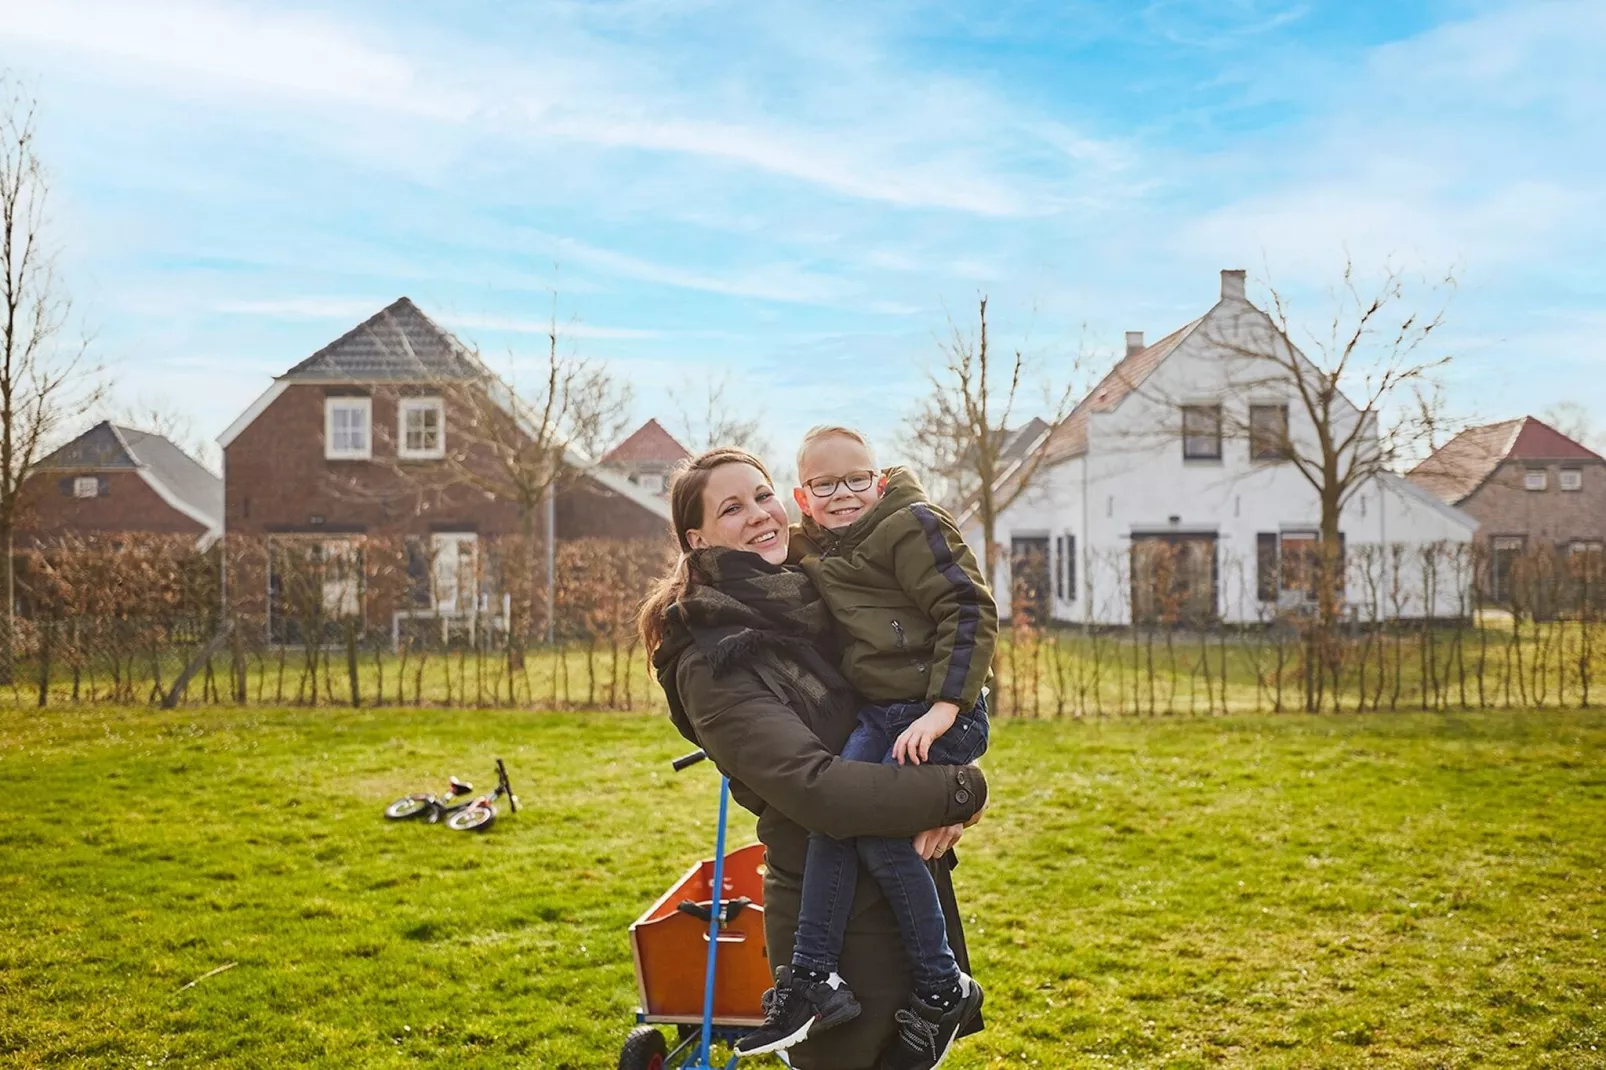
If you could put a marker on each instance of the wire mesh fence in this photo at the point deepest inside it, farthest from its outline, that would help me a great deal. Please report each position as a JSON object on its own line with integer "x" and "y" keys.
{"x": 366, "y": 622}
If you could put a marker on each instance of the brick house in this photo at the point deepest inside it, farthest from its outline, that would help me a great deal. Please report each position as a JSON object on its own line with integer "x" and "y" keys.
{"x": 374, "y": 438}
{"x": 1531, "y": 487}
{"x": 114, "y": 480}
{"x": 647, "y": 457}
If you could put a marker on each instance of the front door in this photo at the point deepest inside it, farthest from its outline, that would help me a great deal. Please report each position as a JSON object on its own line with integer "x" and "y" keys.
{"x": 1173, "y": 579}
{"x": 1028, "y": 571}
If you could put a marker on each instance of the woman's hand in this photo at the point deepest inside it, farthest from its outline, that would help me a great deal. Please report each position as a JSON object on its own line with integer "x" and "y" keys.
{"x": 933, "y": 843}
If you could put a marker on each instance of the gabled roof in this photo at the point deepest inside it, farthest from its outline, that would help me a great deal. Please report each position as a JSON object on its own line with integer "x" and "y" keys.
{"x": 1022, "y": 438}
{"x": 179, "y": 479}
{"x": 649, "y": 442}
{"x": 397, "y": 343}
{"x": 1461, "y": 465}
{"x": 1069, "y": 439}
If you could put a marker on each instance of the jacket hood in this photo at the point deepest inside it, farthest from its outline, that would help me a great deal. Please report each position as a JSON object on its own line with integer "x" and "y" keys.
{"x": 903, "y": 490}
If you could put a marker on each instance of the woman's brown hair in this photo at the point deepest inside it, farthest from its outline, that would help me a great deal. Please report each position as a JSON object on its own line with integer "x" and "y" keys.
{"x": 685, "y": 513}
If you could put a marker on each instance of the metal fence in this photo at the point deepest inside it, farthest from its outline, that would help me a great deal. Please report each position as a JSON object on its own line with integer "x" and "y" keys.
{"x": 154, "y": 622}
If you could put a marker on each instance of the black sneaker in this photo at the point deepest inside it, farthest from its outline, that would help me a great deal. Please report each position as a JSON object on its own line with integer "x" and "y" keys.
{"x": 926, "y": 1033}
{"x": 794, "y": 1010}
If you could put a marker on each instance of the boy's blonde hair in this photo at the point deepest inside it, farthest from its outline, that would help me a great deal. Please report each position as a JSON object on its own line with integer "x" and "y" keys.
{"x": 819, "y": 431}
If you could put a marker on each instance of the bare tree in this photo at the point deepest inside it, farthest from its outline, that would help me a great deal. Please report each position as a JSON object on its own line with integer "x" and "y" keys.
{"x": 1361, "y": 397}
{"x": 961, "y": 437}
{"x": 45, "y": 381}
{"x": 709, "y": 418}
{"x": 158, "y": 416}
{"x": 1574, "y": 420}
{"x": 520, "y": 439}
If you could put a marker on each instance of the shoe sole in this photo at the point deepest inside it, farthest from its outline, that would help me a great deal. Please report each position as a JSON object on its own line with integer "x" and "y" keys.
{"x": 971, "y": 1012}
{"x": 846, "y": 1013}
{"x": 797, "y": 1037}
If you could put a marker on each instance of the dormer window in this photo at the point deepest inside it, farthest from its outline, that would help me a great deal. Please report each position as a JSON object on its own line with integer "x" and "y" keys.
{"x": 86, "y": 487}
{"x": 1572, "y": 479}
{"x": 422, "y": 422}
{"x": 348, "y": 429}
{"x": 1534, "y": 479}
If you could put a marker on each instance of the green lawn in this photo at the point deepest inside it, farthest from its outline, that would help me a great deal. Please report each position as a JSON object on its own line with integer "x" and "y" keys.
{"x": 1410, "y": 890}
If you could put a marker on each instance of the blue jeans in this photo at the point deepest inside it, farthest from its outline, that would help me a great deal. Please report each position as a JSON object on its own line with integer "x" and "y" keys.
{"x": 831, "y": 867}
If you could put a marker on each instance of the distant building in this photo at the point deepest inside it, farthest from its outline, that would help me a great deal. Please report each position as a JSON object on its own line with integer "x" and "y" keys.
{"x": 114, "y": 480}
{"x": 1141, "y": 504}
{"x": 647, "y": 457}
{"x": 378, "y": 434}
{"x": 1530, "y": 486}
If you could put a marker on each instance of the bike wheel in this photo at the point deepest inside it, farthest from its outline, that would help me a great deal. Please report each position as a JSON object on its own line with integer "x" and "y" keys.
{"x": 645, "y": 1049}
{"x": 402, "y": 809}
{"x": 472, "y": 819}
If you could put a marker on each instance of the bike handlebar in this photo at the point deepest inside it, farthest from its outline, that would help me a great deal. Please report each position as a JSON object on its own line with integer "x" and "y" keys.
{"x": 686, "y": 761}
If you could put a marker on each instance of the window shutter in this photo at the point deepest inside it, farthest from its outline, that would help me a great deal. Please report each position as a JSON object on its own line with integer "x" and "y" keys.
{"x": 1266, "y": 566}
{"x": 66, "y": 486}
{"x": 1070, "y": 567}
{"x": 105, "y": 486}
{"x": 1059, "y": 573}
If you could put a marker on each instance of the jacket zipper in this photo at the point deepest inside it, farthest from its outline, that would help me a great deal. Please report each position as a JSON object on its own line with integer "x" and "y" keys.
{"x": 903, "y": 643}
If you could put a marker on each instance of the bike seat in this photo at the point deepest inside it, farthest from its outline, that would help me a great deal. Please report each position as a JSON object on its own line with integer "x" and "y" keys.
{"x": 460, "y": 787}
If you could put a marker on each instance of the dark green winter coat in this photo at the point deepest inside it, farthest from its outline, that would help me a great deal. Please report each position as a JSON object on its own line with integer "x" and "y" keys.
{"x": 916, "y": 618}
{"x": 781, "y": 756}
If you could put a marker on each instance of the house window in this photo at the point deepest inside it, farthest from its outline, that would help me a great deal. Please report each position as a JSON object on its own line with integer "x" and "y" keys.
{"x": 1504, "y": 553}
{"x": 1201, "y": 432}
{"x": 86, "y": 487}
{"x": 342, "y": 578}
{"x": 456, "y": 572}
{"x": 1587, "y": 546}
{"x": 1534, "y": 479}
{"x": 348, "y": 423}
{"x": 1268, "y": 432}
{"x": 651, "y": 481}
{"x": 423, "y": 429}
{"x": 1572, "y": 479}
{"x": 1288, "y": 566}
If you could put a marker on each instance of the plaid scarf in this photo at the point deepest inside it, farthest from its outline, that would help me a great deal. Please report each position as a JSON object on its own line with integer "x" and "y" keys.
{"x": 746, "y": 611}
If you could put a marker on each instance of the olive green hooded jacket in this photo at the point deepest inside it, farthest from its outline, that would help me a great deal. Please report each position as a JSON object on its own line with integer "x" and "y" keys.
{"x": 915, "y": 616}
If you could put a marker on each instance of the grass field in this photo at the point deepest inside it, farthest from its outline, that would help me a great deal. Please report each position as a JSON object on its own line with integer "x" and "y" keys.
{"x": 1410, "y": 890}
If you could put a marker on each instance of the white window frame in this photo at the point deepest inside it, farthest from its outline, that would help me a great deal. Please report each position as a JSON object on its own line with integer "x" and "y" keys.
{"x": 412, "y": 405}
{"x": 331, "y": 405}
{"x": 82, "y": 483}
{"x": 1530, "y": 483}
{"x": 1572, "y": 476}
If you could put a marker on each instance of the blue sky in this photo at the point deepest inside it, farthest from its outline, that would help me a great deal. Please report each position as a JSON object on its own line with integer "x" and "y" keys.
{"x": 800, "y": 194}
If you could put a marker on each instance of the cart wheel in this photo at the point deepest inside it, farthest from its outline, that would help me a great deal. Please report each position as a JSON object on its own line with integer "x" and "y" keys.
{"x": 471, "y": 819}
{"x": 645, "y": 1049}
{"x": 402, "y": 809}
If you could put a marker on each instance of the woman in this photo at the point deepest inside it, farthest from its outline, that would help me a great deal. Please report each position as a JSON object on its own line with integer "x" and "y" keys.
{"x": 737, "y": 640}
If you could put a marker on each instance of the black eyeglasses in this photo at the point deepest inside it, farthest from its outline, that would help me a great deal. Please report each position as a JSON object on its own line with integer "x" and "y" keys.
{"x": 825, "y": 486}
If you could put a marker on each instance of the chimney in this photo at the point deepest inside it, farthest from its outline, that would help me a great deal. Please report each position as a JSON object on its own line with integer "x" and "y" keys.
{"x": 1232, "y": 285}
{"x": 1134, "y": 342}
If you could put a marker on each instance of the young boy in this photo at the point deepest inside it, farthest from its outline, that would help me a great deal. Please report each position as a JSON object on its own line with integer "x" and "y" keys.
{"x": 918, "y": 626}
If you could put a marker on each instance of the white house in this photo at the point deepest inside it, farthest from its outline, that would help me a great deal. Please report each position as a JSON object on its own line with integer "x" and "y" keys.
{"x": 1169, "y": 476}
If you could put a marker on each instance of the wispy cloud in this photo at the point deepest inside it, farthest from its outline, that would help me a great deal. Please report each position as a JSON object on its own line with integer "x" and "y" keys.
{"x": 306, "y": 57}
